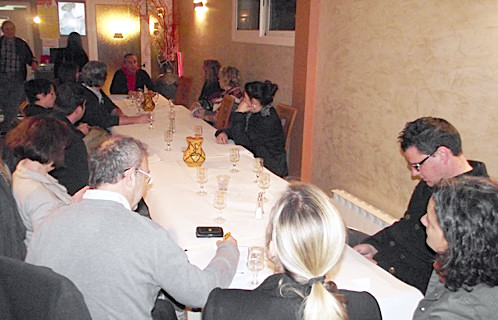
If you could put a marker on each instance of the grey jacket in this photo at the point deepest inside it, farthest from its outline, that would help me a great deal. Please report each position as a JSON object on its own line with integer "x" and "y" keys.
{"x": 441, "y": 303}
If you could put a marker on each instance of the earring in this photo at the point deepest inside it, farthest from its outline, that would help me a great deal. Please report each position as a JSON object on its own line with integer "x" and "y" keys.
{"x": 254, "y": 106}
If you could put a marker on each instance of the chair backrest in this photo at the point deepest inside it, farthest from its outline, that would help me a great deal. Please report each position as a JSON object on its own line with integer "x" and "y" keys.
{"x": 33, "y": 292}
{"x": 224, "y": 112}
{"x": 23, "y": 106}
{"x": 287, "y": 115}
{"x": 183, "y": 90}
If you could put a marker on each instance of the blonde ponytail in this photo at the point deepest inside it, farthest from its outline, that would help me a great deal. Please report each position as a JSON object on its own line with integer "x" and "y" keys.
{"x": 307, "y": 236}
{"x": 321, "y": 304}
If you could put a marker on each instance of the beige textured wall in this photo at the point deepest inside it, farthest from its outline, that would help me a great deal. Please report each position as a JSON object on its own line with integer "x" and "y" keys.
{"x": 209, "y": 36}
{"x": 385, "y": 62}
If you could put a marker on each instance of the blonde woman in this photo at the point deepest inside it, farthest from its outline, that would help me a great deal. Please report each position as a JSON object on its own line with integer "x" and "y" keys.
{"x": 305, "y": 239}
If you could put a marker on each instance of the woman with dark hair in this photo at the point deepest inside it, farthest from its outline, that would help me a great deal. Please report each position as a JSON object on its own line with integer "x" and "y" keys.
{"x": 73, "y": 52}
{"x": 305, "y": 239}
{"x": 211, "y": 86}
{"x": 39, "y": 143}
{"x": 461, "y": 225}
{"x": 256, "y": 125}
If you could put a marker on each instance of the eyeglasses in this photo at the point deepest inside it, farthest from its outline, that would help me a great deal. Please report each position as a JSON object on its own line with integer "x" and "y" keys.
{"x": 148, "y": 177}
{"x": 418, "y": 165}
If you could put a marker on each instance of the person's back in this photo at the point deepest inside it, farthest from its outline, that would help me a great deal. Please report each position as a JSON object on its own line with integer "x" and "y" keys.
{"x": 116, "y": 256}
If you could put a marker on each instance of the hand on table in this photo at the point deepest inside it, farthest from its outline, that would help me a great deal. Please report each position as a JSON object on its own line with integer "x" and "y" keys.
{"x": 366, "y": 250}
{"x": 229, "y": 239}
{"x": 222, "y": 138}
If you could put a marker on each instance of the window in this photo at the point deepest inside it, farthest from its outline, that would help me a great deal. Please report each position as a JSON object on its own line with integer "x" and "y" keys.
{"x": 264, "y": 21}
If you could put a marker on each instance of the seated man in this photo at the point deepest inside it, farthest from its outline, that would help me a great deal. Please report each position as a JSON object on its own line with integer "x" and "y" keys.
{"x": 118, "y": 259}
{"x": 100, "y": 110}
{"x": 130, "y": 77}
{"x": 40, "y": 94}
{"x": 433, "y": 149}
{"x": 70, "y": 108}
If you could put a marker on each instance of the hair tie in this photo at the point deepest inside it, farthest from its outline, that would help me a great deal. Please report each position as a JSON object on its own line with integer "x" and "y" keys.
{"x": 312, "y": 281}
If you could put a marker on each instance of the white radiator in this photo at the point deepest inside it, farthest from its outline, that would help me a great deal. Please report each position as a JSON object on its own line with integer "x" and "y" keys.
{"x": 359, "y": 215}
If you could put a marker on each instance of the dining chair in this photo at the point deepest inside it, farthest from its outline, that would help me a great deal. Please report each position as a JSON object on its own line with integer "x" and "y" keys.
{"x": 183, "y": 90}
{"x": 287, "y": 116}
{"x": 34, "y": 292}
{"x": 224, "y": 111}
{"x": 23, "y": 106}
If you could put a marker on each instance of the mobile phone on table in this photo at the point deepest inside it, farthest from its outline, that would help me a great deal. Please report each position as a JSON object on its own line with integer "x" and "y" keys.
{"x": 209, "y": 232}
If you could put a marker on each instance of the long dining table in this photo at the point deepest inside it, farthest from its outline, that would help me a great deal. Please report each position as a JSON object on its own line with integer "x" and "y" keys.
{"x": 175, "y": 205}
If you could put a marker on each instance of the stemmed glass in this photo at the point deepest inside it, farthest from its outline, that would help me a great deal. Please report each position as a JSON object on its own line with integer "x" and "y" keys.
{"x": 264, "y": 183}
{"x": 202, "y": 178}
{"x": 139, "y": 99}
{"x": 234, "y": 158}
{"x": 168, "y": 137}
{"x": 151, "y": 119}
{"x": 220, "y": 203}
{"x": 257, "y": 167}
{"x": 198, "y": 131}
{"x": 255, "y": 262}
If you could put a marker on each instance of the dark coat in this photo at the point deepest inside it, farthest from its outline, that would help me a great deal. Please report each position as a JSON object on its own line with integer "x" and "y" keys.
{"x": 74, "y": 173}
{"x": 119, "y": 84}
{"x": 263, "y": 135}
{"x": 266, "y": 302}
{"x": 99, "y": 114}
{"x": 12, "y": 229}
{"x": 402, "y": 249}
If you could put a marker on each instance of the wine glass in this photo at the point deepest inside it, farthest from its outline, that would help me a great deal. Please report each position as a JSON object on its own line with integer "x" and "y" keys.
{"x": 220, "y": 203}
{"x": 257, "y": 167}
{"x": 151, "y": 120}
{"x": 168, "y": 137}
{"x": 198, "y": 131}
{"x": 255, "y": 262}
{"x": 202, "y": 178}
{"x": 264, "y": 183}
{"x": 234, "y": 158}
{"x": 139, "y": 99}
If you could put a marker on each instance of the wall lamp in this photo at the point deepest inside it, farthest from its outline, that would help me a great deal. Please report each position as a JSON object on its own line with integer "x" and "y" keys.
{"x": 199, "y": 5}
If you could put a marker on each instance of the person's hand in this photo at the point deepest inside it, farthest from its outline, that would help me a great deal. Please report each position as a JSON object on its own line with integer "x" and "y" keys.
{"x": 222, "y": 138}
{"x": 84, "y": 128}
{"x": 229, "y": 239}
{"x": 366, "y": 250}
{"x": 244, "y": 107}
{"x": 79, "y": 194}
{"x": 143, "y": 118}
{"x": 34, "y": 65}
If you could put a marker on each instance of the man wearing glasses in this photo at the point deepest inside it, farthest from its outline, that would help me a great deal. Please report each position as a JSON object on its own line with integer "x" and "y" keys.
{"x": 118, "y": 259}
{"x": 433, "y": 149}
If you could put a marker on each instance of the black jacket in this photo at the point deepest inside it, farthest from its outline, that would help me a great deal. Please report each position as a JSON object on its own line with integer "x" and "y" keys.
{"x": 119, "y": 84}
{"x": 402, "y": 249}
{"x": 266, "y": 302}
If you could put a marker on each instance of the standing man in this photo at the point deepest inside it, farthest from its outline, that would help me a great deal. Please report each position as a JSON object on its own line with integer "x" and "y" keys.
{"x": 130, "y": 77}
{"x": 15, "y": 54}
{"x": 433, "y": 149}
{"x": 118, "y": 259}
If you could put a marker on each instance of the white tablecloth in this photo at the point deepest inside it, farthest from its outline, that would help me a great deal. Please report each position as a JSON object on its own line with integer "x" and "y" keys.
{"x": 174, "y": 204}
